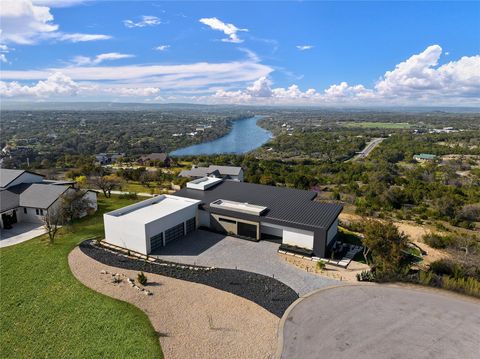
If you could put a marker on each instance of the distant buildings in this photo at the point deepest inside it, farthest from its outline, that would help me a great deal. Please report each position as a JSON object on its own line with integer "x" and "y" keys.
{"x": 225, "y": 172}
{"x": 106, "y": 158}
{"x": 154, "y": 159}
{"x": 424, "y": 157}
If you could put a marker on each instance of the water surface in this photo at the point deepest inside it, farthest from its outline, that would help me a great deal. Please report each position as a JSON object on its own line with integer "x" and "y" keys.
{"x": 244, "y": 136}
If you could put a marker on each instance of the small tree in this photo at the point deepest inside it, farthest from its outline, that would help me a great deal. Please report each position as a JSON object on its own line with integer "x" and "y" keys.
{"x": 107, "y": 183}
{"x": 385, "y": 244}
{"x": 52, "y": 221}
{"x": 75, "y": 204}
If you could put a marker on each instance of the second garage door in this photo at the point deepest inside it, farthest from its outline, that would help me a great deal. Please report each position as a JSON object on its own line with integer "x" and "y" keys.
{"x": 174, "y": 233}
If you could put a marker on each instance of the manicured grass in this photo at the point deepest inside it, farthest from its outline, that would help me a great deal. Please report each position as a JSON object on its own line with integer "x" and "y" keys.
{"x": 387, "y": 125}
{"x": 47, "y": 313}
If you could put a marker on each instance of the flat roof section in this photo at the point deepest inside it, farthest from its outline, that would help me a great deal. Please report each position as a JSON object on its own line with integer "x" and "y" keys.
{"x": 153, "y": 208}
{"x": 203, "y": 183}
{"x": 238, "y": 207}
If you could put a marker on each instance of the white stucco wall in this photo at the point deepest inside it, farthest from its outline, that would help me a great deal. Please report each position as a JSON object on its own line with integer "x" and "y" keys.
{"x": 164, "y": 223}
{"x": 30, "y": 216}
{"x": 203, "y": 218}
{"x": 298, "y": 237}
{"x": 126, "y": 234}
{"x": 332, "y": 231}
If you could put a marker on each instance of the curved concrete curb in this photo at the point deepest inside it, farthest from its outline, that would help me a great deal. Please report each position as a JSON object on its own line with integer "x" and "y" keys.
{"x": 281, "y": 325}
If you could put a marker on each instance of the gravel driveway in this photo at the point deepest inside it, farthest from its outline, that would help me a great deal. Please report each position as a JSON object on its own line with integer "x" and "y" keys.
{"x": 382, "y": 321}
{"x": 212, "y": 249}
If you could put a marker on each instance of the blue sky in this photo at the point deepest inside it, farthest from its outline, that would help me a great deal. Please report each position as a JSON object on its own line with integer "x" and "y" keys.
{"x": 312, "y": 53}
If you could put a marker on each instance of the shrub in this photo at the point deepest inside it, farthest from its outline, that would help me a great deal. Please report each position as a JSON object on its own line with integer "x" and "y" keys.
{"x": 366, "y": 276}
{"x": 436, "y": 240}
{"x": 447, "y": 267}
{"x": 469, "y": 286}
{"x": 142, "y": 278}
{"x": 425, "y": 278}
{"x": 129, "y": 195}
{"x": 321, "y": 265}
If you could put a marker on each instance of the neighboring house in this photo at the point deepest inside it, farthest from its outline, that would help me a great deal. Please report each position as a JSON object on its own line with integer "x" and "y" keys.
{"x": 106, "y": 158}
{"x": 27, "y": 197}
{"x": 424, "y": 157}
{"x": 225, "y": 172}
{"x": 246, "y": 210}
{"x": 154, "y": 159}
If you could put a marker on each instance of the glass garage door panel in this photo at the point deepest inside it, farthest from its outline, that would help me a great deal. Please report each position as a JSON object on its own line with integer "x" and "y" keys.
{"x": 156, "y": 241}
{"x": 191, "y": 225}
{"x": 247, "y": 230}
{"x": 174, "y": 233}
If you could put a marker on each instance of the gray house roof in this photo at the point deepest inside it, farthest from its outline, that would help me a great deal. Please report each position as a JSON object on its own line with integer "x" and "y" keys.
{"x": 7, "y": 176}
{"x": 286, "y": 206}
{"x": 33, "y": 195}
{"x": 205, "y": 171}
{"x": 39, "y": 195}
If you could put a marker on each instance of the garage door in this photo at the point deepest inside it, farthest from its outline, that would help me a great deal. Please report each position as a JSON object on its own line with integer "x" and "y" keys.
{"x": 174, "y": 233}
{"x": 156, "y": 241}
{"x": 190, "y": 225}
{"x": 247, "y": 230}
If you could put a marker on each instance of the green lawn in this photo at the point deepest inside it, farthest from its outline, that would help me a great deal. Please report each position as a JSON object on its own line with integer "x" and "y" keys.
{"x": 386, "y": 125}
{"x": 46, "y": 313}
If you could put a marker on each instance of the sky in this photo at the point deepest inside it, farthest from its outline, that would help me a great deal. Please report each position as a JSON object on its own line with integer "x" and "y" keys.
{"x": 226, "y": 52}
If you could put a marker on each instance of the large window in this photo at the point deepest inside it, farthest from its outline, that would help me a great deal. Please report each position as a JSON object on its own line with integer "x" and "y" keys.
{"x": 247, "y": 230}
{"x": 226, "y": 220}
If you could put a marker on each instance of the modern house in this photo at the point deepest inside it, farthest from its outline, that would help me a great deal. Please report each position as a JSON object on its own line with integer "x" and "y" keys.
{"x": 154, "y": 159}
{"x": 27, "y": 197}
{"x": 106, "y": 158}
{"x": 424, "y": 157}
{"x": 226, "y": 172}
{"x": 251, "y": 211}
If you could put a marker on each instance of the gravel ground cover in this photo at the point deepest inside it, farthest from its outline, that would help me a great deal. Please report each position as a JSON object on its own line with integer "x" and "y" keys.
{"x": 191, "y": 320}
{"x": 267, "y": 292}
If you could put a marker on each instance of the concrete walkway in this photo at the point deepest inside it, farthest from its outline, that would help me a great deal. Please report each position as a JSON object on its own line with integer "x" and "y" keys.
{"x": 381, "y": 321}
{"x": 212, "y": 249}
{"x": 20, "y": 232}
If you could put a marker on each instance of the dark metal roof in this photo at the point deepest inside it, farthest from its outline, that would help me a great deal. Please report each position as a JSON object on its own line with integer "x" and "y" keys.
{"x": 286, "y": 206}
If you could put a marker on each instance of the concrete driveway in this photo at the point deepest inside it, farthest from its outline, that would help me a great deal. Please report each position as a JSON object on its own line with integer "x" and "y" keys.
{"x": 212, "y": 249}
{"x": 20, "y": 232}
{"x": 380, "y": 321}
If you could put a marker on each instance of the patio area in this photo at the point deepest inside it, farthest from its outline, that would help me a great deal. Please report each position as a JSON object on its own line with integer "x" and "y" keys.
{"x": 20, "y": 232}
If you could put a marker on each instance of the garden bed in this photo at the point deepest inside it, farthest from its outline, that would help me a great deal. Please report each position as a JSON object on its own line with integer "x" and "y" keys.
{"x": 267, "y": 292}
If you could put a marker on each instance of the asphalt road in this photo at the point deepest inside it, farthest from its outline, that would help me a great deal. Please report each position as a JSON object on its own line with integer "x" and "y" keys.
{"x": 369, "y": 148}
{"x": 369, "y": 322}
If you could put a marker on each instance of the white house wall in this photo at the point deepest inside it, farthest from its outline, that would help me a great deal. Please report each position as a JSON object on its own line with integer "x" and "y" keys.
{"x": 125, "y": 234}
{"x": 332, "y": 231}
{"x": 31, "y": 215}
{"x": 164, "y": 223}
{"x": 298, "y": 237}
{"x": 203, "y": 218}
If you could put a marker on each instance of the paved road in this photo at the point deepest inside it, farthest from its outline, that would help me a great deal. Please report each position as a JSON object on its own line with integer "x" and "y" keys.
{"x": 368, "y": 148}
{"x": 212, "y": 249}
{"x": 369, "y": 322}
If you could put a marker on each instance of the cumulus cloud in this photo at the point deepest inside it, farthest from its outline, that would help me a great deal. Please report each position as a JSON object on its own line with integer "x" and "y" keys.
{"x": 134, "y": 91}
{"x": 146, "y": 20}
{"x": 85, "y": 60}
{"x": 26, "y": 22}
{"x": 56, "y": 84}
{"x": 417, "y": 80}
{"x": 305, "y": 47}
{"x": 162, "y": 47}
{"x": 228, "y": 29}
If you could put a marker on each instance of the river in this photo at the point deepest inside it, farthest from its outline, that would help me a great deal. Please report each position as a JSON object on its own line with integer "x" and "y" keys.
{"x": 244, "y": 136}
